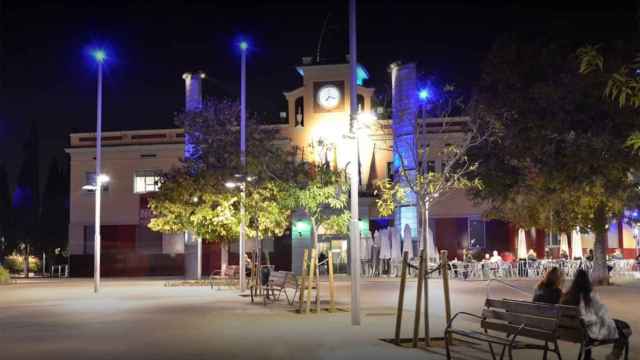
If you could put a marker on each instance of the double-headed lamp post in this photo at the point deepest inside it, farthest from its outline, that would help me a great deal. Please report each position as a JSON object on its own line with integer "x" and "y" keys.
{"x": 240, "y": 181}
{"x": 100, "y": 56}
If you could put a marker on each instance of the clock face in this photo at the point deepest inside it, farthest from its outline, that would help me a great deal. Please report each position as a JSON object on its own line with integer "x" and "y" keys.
{"x": 328, "y": 97}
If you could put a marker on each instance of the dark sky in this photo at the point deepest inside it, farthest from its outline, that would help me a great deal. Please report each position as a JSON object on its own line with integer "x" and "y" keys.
{"x": 46, "y": 75}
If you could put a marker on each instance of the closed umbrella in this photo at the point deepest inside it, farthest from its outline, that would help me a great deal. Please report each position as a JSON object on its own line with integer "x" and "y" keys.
{"x": 522, "y": 245}
{"x": 564, "y": 243}
{"x": 407, "y": 244}
{"x": 431, "y": 245}
{"x": 396, "y": 250}
{"x": 576, "y": 244}
{"x": 365, "y": 247}
{"x": 385, "y": 244}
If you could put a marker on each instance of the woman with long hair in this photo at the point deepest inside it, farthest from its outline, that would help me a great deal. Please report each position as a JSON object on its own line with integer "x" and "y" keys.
{"x": 549, "y": 290}
{"x": 595, "y": 314}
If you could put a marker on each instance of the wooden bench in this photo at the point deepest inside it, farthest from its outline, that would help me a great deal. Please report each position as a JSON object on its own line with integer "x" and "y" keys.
{"x": 572, "y": 329}
{"x": 229, "y": 276}
{"x": 516, "y": 324}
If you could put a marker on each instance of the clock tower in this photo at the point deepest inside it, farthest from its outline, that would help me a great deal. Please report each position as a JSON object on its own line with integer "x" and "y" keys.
{"x": 319, "y": 109}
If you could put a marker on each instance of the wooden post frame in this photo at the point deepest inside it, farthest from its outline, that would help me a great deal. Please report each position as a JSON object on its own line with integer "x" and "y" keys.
{"x": 416, "y": 321}
{"x": 310, "y": 285}
{"x": 332, "y": 285}
{"x": 403, "y": 283}
{"x": 444, "y": 262}
{"x": 303, "y": 280}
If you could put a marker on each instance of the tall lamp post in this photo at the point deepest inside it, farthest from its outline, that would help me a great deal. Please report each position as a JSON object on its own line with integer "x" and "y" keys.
{"x": 244, "y": 46}
{"x": 354, "y": 245}
{"x": 100, "y": 56}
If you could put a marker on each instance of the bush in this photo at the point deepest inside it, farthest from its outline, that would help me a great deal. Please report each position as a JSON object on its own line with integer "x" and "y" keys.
{"x": 15, "y": 263}
{"x": 5, "y": 277}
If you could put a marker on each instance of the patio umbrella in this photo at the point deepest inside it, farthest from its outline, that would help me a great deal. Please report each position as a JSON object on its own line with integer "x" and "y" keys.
{"x": 396, "y": 250}
{"x": 407, "y": 243}
{"x": 431, "y": 245}
{"x": 576, "y": 244}
{"x": 522, "y": 245}
{"x": 365, "y": 247}
{"x": 385, "y": 244}
{"x": 564, "y": 243}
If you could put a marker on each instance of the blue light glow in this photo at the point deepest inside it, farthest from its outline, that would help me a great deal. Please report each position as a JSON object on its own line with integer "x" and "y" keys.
{"x": 243, "y": 45}
{"x": 100, "y": 55}
{"x": 424, "y": 94}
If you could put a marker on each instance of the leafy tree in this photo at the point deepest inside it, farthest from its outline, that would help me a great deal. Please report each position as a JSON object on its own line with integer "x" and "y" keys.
{"x": 558, "y": 148}
{"x": 26, "y": 197}
{"x": 6, "y": 230}
{"x": 53, "y": 218}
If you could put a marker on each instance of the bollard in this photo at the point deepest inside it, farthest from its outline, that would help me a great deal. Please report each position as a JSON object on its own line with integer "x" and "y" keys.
{"x": 403, "y": 283}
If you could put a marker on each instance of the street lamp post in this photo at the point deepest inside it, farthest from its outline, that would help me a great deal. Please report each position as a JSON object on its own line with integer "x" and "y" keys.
{"x": 355, "y": 226}
{"x": 243, "y": 156}
{"x": 99, "y": 56}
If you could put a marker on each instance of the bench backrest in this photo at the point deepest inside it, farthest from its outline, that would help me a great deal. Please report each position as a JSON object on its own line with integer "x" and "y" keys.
{"x": 571, "y": 327}
{"x": 231, "y": 270}
{"x": 540, "y": 320}
{"x": 278, "y": 278}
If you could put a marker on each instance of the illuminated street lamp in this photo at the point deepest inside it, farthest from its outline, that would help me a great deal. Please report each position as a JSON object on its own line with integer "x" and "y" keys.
{"x": 240, "y": 181}
{"x": 244, "y": 47}
{"x": 100, "y": 56}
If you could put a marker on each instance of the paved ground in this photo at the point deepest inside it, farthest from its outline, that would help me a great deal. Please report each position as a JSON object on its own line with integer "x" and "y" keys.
{"x": 134, "y": 319}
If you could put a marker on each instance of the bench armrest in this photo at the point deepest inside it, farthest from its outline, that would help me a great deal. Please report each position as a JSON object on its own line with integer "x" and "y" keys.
{"x": 462, "y": 313}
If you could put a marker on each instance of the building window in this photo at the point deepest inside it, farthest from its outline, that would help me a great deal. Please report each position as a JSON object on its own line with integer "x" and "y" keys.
{"x": 90, "y": 182}
{"x": 146, "y": 181}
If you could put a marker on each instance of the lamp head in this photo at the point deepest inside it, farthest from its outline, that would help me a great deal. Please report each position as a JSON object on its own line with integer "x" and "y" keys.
{"x": 243, "y": 45}
{"x": 424, "y": 94}
{"x": 100, "y": 55}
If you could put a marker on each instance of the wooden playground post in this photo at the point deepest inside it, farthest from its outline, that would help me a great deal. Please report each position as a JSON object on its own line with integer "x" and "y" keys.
{"x": 310, "y": 286}
{"x": 416, "y": 321}
{"x": 403, "y": 283}
{"x": 302, "y": 280}
{"x": 332, "y": 289}
{"x": 444, "y": 261}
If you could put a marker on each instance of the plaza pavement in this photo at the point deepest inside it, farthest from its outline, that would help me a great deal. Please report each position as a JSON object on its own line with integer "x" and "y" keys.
{"x": 143, "y": 319}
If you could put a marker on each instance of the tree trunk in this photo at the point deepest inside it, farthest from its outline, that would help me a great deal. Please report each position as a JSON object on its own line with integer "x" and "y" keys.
{"x": 424, "y": 243}
{"x": 26, "y": 261}
{"x": 600, "y": 274}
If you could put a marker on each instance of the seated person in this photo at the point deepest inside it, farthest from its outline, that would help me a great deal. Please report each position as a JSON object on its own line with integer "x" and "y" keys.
{"x": 532, "y": 256}
{"x": 487, "y": 257}
{"x": 600, "y": 326}
{"x": 495, "y": 258}
{"x": 549, "y": 290}
{"x": 590, "y": 256}
{"x": 617, "y": 255}
{"x": 564, "y": 255}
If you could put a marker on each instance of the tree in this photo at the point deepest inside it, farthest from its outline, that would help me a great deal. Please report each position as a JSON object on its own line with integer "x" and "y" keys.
{"x": 194, "y": 197}
{"x": 558, "y": 148}
{"x": 26, "y": 197}
{"x": 53, "y": 218}
{"x": 6, "y": 233}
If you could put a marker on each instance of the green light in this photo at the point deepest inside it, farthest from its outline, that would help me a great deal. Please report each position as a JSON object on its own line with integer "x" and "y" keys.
{"x": 302, "y": 226}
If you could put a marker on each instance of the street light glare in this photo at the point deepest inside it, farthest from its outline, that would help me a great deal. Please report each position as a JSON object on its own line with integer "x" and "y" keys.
{"x": 230, "y": 184}
{"x": 103, "y": 179}
{"x": 100, "y": 55}
{"x": 243, "y": 45}
{"x": 424, "y": 94}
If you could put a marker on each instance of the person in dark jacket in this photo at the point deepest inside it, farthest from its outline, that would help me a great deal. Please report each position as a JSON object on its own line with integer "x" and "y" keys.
{"x": 549, "y": 290}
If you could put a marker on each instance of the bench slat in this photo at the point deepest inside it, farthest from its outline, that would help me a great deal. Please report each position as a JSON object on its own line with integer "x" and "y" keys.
{"x": 510, "y": 329}
{"x": 524, "y": 307}
{"x": 542, "y": 323}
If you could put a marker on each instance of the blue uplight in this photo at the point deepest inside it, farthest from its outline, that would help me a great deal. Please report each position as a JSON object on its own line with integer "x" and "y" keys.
{"x": 424, "y": 94}
{"x": 100, "y": 55}
{"x": 243, "y": 45}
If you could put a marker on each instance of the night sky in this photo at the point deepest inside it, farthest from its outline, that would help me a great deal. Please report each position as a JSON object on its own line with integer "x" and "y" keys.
{"x": 47, "y": 76}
